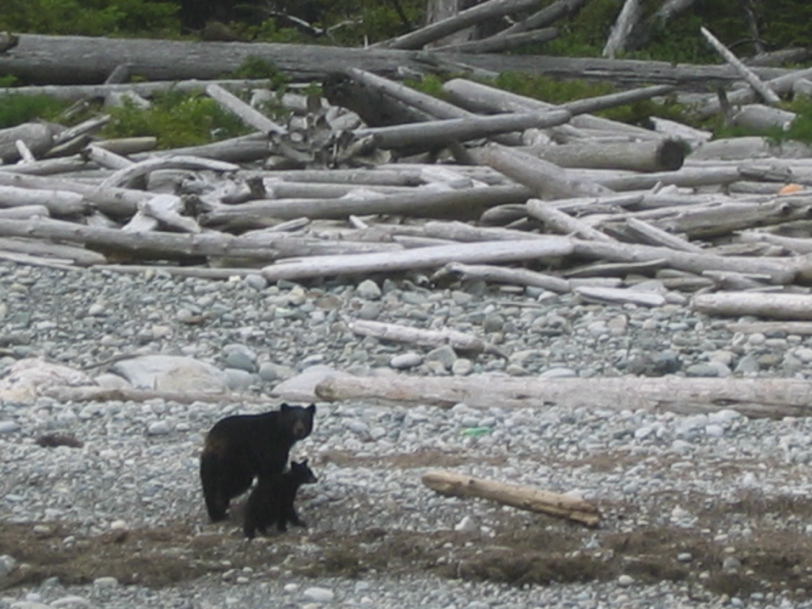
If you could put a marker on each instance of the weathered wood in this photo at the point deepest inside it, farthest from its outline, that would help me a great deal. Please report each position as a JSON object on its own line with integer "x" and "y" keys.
{"x": 762, "y": 118}
{"x": 549, "y": 14}
{"x": 462, "y": 203}
{"x": 61, "y": 203}
{"x": 559, "y": 222}
{"x": 38, "y": 137}
{"x": 761, "y": 304}
{"x": 113, "y": 201}
{"x": 656, "y": 236}
{"x": 250, "y": 116}
{"x": 754, "y": 81}
{"x": 780, "y": 84}
{"x": 496, "y": 44}
{"x": 431, "y": 134}
{"x": 477, "y": 14}
{"x": 781, "y": 270}
{"x": 143, "y": 168}
{"x": 77, "y": 59}
{"x": 626, "y": 21}
{"x": 498, "y": 274}
{"x": 260, "y": 248}
{"x": 620, "y": 296}
{"x": 647, "y": 156}
{"x": 519, "y": 496}
{"x": 420, "y": 336}
{"x": 67, "y": 253}
{"x": 483, "y": 98}
{"x": 546, "y": 180}
{"x": 802, "y": 328}
{"x": 758, "y": 398}
{"x": 427, "y": 257}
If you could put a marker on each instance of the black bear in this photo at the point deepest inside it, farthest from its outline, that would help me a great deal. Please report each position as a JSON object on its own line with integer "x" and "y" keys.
{"x": 271, "y": 501}
{"x": 240, "y": 447}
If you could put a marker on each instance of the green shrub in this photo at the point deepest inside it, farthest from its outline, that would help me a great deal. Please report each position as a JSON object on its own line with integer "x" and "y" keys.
{"x": 16, "y": 108}
{"x": 177, "y": 119}
{"x": 89, "y": 17}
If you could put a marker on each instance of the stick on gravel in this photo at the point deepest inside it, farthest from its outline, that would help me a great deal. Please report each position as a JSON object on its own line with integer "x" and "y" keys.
{"x": 519, "y": 496}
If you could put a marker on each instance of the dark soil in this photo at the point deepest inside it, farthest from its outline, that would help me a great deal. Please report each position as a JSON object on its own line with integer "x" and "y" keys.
{"x": 525, "y": 549}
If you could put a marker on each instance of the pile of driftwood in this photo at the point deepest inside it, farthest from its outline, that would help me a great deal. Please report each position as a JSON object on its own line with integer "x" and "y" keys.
{"x": 376, "y": 177}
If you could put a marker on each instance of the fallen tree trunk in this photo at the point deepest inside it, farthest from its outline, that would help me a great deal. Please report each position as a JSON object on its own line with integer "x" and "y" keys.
{"x": 519, "y": 496}
{"x": 776, "y": 306}
{"x": 82, "y": 59}
{"x": 425, "y": 257}
{"x": 767, "y": 397}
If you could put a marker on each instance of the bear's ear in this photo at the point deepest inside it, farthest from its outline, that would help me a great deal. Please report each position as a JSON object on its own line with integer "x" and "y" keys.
{"x": 312, "y": 409}
{"x": 284, "y": 407}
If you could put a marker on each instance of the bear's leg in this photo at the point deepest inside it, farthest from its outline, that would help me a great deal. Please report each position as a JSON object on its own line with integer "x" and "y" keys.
{"x": 212, "y": 481}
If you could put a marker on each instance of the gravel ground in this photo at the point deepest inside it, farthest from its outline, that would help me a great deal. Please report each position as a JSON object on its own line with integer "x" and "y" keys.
{"x": 702, "y": 510}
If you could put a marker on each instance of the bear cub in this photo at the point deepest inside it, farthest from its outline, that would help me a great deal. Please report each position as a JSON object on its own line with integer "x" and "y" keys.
{"x": 272, "y": 501}
{"x": 241, "y": 447}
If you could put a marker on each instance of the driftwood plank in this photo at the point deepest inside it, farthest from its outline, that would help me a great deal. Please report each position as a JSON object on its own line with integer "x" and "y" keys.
{"x": 519, "y": 496}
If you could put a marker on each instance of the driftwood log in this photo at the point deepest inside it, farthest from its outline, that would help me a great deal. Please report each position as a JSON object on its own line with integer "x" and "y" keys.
{"x": 87, "y": 60}
{"x": 519, "y": 496}
{"x": 758, "y": 398}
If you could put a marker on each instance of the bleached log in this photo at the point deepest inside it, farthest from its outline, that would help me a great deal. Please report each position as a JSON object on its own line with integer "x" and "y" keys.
{"x": 649, "y": 155}
{"x": 720, "y": 219}
{"x": 621, "y": 296}
{"x": 427, "y": 257}
{"x": 68, "y": 254}
{"x": 757, "y": 398}
{"x": 802, "y": 88}
{"x": 167, "y": 209}
{"x": 250, "y": 116}
{"x": 519, "y": 496}
{"x": 431, "y": 134}
{"x": 776, "y": 306}
{"x": 559, "y": 222}
{"x": 781, "y": 270}
{"x": 680, "y": 132}
{"x": 143, "y": 168}
{"x": 175, "y": 246}
{"x": 462, "y": 203}
{"x": 656, "y": 22}
{"x": 494, "y": 44}
{"x": 549, "y": 14}
{"x": 87, "y": 127}
{"x": 53, "y": 263}
{"x": 656, "y": 236}
{"x": 798, "y": 245}
{"x": 106, "y": 158}
{"x": 37, "y": 137}
{"x": 762, "y": 118}
{"x": 498, "y": 274}
{"x": 546, "y": 180}
{"x": 432, "y": 338}
{"x": 626, "y": 21}
{"x": 116, "y": 202}
{"x": 61, "y": 203}
{"x": 687, "y": 176}
{"x": 748, "y": 147}
{"x": 752, "y": 79}
{"x": 802, "y": 328}
{"x": 422, "y": 101}
{"x": 281, "y": 189}
{"x": 26, "y": 156}
{"x": 736, "y": 281}
{"x": 781, "y": 85}
{"x": 478, "y": 97}
{"x": 24, "y": 212}
{"x": 127, "y": 145}
{"x": 491, "y": 9}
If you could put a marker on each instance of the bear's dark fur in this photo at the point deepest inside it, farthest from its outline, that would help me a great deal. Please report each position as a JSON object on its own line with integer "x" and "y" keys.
{"x": 241, "y": 447}
{"x": 272, "y": 501}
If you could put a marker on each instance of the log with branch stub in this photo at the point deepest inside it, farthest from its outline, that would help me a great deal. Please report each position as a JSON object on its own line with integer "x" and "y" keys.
{"x": 523, "y": 497}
